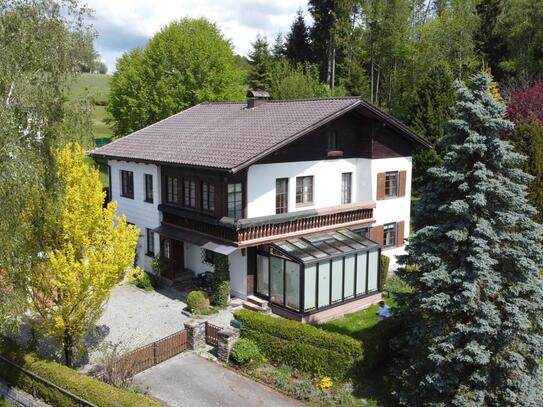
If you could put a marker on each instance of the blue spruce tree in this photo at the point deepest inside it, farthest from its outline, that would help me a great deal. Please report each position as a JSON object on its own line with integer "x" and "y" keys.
{"x": 475, "y": 315}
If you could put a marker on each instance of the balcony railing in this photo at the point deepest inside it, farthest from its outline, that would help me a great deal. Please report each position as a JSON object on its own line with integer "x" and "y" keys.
{"x": 258, "y": 230}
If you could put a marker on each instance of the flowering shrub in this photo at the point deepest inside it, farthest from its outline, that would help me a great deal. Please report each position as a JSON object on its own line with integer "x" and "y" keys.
{"x": 325, "y": 383}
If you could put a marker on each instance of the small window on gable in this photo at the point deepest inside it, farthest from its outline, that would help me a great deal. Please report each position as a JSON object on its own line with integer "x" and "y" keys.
{"x": 332, "y": 140}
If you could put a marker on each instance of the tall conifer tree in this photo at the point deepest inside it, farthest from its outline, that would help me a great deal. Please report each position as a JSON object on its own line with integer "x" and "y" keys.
{"x": 261, "y": 62}
{"x": 298, "y": 48}
{"x": 475, "y": 315}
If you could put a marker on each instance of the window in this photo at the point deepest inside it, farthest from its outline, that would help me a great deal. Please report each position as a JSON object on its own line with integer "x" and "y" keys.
{"x": 150, "y": 242}
{"x": 292, "y": 285}
{"x": 304, "y": 190}
{"x": 361, "y": 271}
{"x": 148, "y": 188}
{"x": 189, "y": 193}
{"x": 310, "y": 282}
{"x": 324, "y": 284}
{"x": 235, "y": 206}
{"x": 166, "y": 248}
{"x": 277, "y": 276}
{"x": 171, "y": 190}
{"x": 389, "y": 234}
{"x": 208, "y": 196}
{"x": 263, "y": 275}
{"x": 127, "y": 184}
{"x": 373, "y": 267}
{"x": 337, "y": 279}
{"x": 391, "y": 184}
{"x": 346, "y": 179}
{"x": 281, "y": 195}
{"x": 332, "y": 140}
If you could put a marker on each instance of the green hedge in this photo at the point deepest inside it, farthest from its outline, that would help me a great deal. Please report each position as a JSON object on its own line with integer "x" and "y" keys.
{"x": 86, "y": 387}
{"x": 302, "y": 346}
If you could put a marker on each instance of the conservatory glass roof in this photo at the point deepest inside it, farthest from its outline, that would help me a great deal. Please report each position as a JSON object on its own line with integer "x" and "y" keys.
{"x": 320, "y": 247}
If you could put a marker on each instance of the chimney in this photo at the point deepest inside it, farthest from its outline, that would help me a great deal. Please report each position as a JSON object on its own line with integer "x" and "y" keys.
{"x": 256, "y": 98}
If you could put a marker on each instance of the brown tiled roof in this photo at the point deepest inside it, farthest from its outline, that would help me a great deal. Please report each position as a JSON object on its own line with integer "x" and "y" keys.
{"x": 226, "y": 135}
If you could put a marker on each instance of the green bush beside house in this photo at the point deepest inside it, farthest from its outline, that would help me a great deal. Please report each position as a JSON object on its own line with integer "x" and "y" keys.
{"x": 302, "y": 346}
{"x": 86, "y": 387}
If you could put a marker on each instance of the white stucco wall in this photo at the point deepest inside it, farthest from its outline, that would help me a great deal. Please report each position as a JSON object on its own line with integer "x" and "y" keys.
{"x": 327, "y": 188}
{"x": 142, "y": 214}
{"x": 193, "y": 259}
{"x": 238, "y": 273}
{"x": 326, "y": 184}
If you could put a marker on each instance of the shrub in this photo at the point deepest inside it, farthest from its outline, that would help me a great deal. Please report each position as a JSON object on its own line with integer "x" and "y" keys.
{"x": 145, "y": 281}
{"x": 93, "y": 390}
{"x": 220, "y": 292}
{"x": 302, "y": 346}
{"x": 378, "y": 348}
{"x": 197, "y": 301}
{"x": 159, "y": 265}
{"x": 385, "y": 264}
{"x": 246, "y": 351}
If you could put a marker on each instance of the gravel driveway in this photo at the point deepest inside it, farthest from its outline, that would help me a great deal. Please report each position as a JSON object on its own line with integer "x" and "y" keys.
{"x": 188, "y": 380}
{"x": 134, "y": 317}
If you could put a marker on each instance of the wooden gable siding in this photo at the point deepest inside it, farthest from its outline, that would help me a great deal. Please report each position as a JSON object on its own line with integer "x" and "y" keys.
{"x": 357, "y": 137}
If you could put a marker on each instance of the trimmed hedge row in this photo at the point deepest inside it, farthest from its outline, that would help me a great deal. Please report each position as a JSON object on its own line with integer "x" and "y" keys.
{"x": 86, "y": 387}
{"x": 302, "y": 346}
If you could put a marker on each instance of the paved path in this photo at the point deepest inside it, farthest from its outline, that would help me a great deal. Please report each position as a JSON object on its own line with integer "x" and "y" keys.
{"x": 188, "y": 380}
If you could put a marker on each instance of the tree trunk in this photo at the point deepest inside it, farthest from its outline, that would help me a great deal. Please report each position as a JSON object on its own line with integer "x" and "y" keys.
{"x": 68, "y": 344}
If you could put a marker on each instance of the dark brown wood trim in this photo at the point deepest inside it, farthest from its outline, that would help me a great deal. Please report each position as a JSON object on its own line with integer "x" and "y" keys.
{"x": 381, "y": 179}
{"x": 400, "y": 228}
{"x": 402, "y": 183}
{"x": 377, "y": 234}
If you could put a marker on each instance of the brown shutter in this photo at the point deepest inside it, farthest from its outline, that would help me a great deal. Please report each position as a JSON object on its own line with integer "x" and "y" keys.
{"x": 403, "y": 179}
{"x": 376, "y": 234}
{"x": 381, "y": 177}
{"x": 400, "y": 227}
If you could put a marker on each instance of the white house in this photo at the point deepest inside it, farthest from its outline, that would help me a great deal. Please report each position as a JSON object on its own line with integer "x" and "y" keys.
{"x": 301, "y": 195}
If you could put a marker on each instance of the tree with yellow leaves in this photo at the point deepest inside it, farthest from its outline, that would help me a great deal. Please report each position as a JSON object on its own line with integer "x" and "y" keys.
{"x": 89, "y": 251}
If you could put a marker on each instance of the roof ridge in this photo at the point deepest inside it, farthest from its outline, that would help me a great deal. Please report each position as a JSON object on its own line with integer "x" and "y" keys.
{"x": 287, "y": 100}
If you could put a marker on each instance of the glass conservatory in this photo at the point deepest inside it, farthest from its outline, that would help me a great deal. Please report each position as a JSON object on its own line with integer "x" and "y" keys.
{"x": 312, "y": 273}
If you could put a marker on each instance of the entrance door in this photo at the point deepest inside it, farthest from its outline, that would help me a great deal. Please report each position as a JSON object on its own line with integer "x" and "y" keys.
{"x": 173, "y": 251}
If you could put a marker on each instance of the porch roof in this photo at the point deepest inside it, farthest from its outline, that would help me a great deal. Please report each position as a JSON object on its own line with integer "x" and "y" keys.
{"x": 314, "y": 248}
{"x": 174, "y": 233}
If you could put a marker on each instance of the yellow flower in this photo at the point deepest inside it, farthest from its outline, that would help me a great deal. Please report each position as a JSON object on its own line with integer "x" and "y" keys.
{"x": 326, "y": 383}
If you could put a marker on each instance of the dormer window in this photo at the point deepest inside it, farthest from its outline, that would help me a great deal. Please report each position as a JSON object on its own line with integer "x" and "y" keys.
{"x": 332, "y": 141}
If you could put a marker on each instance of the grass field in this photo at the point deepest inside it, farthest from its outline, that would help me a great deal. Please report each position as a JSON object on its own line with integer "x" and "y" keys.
{"x": 94, "y": 87}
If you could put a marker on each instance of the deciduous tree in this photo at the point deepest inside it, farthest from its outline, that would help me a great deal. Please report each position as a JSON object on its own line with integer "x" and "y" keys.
{"x": 476, "y": 313}
{"x": 40, "y": 41}
{"x": 188, "y": 62}
{"x": 88, "y": 251}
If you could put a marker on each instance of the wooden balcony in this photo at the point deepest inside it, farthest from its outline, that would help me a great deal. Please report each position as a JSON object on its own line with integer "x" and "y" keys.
{"x": 266, "y": 229}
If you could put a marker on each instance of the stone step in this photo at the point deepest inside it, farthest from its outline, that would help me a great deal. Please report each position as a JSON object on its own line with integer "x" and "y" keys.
{"x": 257, "y": 308}
{"x": 257, "y": 301}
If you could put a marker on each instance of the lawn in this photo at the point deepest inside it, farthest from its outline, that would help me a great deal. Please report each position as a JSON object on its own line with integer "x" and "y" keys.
{"x": 94, "y": 87}
{"x": 373, "y": 386}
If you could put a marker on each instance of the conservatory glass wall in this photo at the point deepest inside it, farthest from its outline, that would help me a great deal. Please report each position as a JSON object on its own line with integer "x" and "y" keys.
{"x": 311, "y": 273}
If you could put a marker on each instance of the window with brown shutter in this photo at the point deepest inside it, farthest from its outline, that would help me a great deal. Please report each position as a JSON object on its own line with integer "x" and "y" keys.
{"x": 400, "y": 233}
{"x": 403, "y": 180}
{"x": 376, "y": 234}
{"x": 381, "y": 178}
